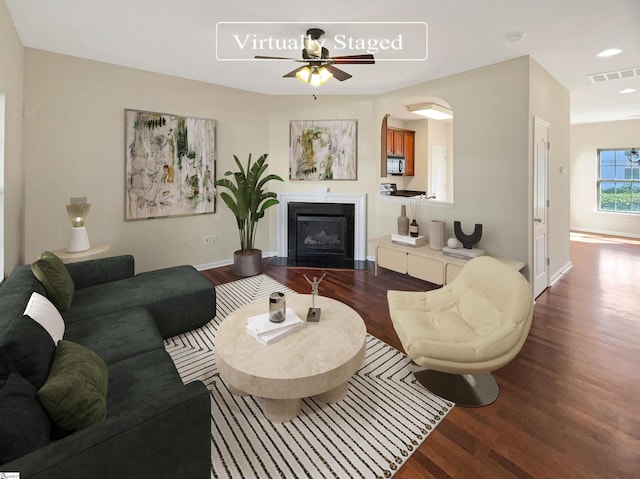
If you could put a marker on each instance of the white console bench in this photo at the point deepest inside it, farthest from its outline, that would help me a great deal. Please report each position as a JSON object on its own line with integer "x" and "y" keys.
{"x": 421, "y": 262}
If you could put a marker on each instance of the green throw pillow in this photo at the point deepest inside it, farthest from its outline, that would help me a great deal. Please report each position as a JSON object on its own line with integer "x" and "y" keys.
{"x": 54, "y": 276}
{"x": 75, "y": 394}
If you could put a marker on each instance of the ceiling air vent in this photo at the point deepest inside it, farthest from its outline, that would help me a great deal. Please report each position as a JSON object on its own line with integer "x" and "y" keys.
{"x": 614, "y": 75}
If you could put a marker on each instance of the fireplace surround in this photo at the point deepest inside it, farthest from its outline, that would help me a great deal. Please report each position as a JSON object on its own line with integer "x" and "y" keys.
{"x": 324, "y": 230}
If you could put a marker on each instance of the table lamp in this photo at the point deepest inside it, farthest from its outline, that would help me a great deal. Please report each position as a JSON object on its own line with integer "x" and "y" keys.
{"x": 78, "y": 209}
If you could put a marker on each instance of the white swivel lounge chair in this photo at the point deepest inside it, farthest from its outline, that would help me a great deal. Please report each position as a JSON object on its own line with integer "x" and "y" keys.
{"x": 462, "y": 331}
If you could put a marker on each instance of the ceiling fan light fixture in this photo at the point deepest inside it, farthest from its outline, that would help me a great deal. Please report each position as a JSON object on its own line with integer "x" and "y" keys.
{"x": 431, "y": 110}
{"x": 325, "y": 74}
{"x": 304, "y": 74}
{"x": 314, "y": 76}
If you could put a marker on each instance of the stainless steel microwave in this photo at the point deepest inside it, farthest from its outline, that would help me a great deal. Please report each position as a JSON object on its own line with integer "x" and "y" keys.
{"x": 395, "y": 165}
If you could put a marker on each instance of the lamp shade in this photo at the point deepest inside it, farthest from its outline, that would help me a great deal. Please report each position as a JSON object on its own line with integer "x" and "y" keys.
{"x": 304, "y": 74}
{"x": 78, "y": 213}
{"x": 78, "y": 209}
{"x": 314, "y": 76}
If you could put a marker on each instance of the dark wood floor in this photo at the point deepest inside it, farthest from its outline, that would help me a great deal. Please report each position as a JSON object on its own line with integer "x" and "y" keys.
{"x": 569, "y": 404}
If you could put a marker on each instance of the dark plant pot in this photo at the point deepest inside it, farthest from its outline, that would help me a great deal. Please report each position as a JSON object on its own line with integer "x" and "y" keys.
{"x": 247, "y": 263}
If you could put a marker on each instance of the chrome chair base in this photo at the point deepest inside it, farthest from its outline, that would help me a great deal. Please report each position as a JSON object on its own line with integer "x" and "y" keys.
{"x": 468, "y": 390}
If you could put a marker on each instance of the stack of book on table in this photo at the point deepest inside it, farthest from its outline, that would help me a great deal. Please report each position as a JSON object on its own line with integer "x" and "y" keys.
{"x": 267, "y": 332}
{"x": 462, "y": 253}
{"x": 408, "y": 240}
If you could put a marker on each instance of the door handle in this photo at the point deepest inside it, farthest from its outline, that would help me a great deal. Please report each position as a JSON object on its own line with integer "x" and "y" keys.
{"x": 538, "y": 220}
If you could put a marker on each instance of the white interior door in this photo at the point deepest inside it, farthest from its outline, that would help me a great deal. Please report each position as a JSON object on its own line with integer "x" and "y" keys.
{"x": 540, "y": 207}
{"x": 439, "y": 172}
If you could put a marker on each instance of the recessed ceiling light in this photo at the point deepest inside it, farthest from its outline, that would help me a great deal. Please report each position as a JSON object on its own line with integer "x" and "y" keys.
{"x": 627, "y": 90}
{"x": 609, "y": 53}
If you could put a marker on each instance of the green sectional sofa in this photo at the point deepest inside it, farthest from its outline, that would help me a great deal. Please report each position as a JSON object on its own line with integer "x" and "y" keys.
{"x": 105, "y": 400}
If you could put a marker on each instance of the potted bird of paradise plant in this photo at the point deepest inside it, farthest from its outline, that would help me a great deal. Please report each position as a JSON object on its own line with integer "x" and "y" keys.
{"x": 248, "y": 199}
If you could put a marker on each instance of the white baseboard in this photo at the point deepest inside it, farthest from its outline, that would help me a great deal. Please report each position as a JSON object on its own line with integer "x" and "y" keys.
{"x": 558, "y": 275}
{"x": 605, "y": 232}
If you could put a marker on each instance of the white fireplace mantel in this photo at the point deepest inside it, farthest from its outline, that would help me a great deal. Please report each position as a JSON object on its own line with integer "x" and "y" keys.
{"x": 323, "y": 196}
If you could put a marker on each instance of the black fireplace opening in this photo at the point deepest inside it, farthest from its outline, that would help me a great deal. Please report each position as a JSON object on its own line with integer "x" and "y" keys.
{"x": 321, "y": 234}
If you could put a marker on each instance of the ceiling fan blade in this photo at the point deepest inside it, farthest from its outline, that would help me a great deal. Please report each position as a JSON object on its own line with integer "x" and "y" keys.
{"x": 337, "y": 73}
{"x": 365, "y": 59}
{"x": 292, "y": 73}
{"x": 262, "y": 57}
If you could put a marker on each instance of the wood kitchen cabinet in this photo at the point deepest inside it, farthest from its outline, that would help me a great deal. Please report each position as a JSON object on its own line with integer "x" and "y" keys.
{"x": 395, "y": 142}
{"x": 409, "y": 140}
{"x": 402, "y": 143}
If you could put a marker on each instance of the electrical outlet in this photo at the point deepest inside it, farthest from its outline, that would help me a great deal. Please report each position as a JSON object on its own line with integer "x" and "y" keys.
{"x": 210, "y": 239}
{"x": 207, "y": 240}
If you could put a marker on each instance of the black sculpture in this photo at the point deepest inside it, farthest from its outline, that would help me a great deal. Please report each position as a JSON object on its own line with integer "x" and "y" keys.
{"x": 467, "y": 240}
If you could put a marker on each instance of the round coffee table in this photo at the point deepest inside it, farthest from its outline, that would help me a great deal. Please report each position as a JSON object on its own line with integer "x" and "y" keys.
{"x": 317, "y": 360}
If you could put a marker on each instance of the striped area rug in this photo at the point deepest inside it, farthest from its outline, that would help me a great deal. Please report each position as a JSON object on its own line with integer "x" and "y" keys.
{"x": 369, "y": 434}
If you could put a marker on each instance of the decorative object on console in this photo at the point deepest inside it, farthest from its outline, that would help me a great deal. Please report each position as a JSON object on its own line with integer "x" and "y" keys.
{"x": 170, "y": 165}
{"x": 468, "y": 241}
{"x": 323, "y": 149}
{"x": 414, "y": 228}
{"x": 453, "y": 243}
{"x": 313, "y": 314}
{"x": 78, "y": 209}
{"x": 436, "y": 234}
{"x": 248, "y": 204}
{"x": 403, "y": 221}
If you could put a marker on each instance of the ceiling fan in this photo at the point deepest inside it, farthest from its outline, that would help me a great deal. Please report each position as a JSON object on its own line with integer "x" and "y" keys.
{"x": 319, "y": 65}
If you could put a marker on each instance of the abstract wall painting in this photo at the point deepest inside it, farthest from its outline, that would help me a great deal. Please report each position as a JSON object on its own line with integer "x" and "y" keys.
{"x": 323, "y": 149}
{"x": 170, "y": 165}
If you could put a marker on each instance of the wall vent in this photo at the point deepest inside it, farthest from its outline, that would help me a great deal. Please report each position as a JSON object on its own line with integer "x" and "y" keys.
{"x": 614, "y": 75}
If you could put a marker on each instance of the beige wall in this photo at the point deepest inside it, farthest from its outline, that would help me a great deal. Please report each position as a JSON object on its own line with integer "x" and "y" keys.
{"x": 360, "y": 108}
{"x": 490, "y": 137}
{"x": 74, "y": 146}
{"x": 549, "y": 101}
{"x": 494, "y": 109}
{"x": 11, "y": 71}
{"x": 585, "y": 141}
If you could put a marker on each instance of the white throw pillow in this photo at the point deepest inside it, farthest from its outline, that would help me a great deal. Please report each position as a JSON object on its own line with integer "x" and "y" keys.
{"x": 43, "y": 312}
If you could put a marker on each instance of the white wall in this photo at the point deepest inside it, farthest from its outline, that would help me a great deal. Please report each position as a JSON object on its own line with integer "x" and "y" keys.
{"x": 11, "y": 75}
{"x": 585, "y": 141}
{"x": 74, "y": 146}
